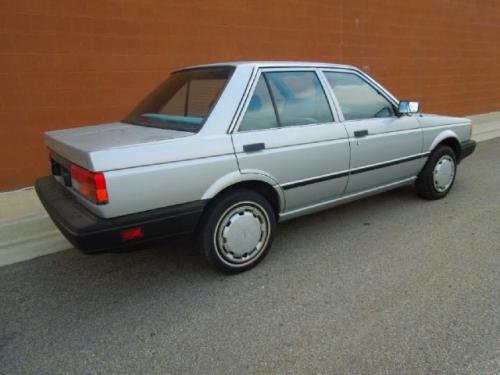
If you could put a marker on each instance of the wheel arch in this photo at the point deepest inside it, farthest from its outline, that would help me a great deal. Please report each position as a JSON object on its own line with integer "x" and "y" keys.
{"x": 449, "y": 138}
{"x": 261, "y": 183}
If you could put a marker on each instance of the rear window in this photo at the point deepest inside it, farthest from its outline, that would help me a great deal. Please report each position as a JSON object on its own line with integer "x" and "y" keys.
{"x": 183, "y": 101}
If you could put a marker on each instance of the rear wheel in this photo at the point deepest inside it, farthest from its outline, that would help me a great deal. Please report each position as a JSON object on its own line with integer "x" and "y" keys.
{"x": 438, "y": 175}
{"x": 237, "y": 231}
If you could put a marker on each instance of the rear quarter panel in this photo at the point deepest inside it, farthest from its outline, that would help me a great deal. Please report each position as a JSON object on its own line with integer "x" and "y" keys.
{"x": 173, "y": 171}
{"x": 153, "y": 186}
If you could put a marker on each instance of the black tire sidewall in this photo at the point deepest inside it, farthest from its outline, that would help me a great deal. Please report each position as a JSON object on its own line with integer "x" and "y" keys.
{"x": 425, "y": 181}
{"x": 209, "y": 223}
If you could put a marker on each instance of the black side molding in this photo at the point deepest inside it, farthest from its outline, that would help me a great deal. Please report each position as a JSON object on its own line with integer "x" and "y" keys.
{"x": 292, "y": 185}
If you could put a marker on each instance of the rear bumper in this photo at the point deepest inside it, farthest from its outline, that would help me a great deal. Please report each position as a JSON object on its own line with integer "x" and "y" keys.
{"x": 90, "y": 233}
{"x": 467, "y": 148}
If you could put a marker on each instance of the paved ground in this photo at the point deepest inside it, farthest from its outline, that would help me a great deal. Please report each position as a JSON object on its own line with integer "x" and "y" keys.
{"x": 389, "y": 284}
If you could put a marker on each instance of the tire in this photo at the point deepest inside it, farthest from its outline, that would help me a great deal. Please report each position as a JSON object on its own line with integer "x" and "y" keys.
{"x": 237, "y": 230}
{"x": 438, "y": 175}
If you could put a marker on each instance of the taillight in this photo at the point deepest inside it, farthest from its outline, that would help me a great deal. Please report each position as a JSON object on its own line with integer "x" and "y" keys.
{"x": 91, "y": 185}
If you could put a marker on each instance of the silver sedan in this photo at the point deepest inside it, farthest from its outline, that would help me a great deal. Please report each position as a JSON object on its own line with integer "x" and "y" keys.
{"x": 228, "y": 150}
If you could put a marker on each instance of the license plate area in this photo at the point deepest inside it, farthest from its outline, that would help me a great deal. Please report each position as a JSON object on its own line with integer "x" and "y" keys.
{"x": 60, "y": 168}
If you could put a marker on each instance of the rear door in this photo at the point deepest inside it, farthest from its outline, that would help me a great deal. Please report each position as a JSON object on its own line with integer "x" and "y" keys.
{"x": 385, "y": 148}
{"x": 287, "y": 130}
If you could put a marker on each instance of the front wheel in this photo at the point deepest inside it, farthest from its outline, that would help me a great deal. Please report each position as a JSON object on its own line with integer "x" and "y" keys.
{"x": 237, "y": 231}
{"x": 438, "y": 175}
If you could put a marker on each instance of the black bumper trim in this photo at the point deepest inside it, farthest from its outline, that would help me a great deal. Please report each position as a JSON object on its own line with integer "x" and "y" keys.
{"x": 91, "y": 233}
{"x": 467, "y": 148}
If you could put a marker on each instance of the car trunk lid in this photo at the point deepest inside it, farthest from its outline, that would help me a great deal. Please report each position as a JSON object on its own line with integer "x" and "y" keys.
{"x": 76, "y": 145}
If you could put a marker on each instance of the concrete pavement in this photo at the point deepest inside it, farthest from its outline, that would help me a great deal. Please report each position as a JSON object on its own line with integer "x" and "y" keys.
{"x": 390, "y": 284}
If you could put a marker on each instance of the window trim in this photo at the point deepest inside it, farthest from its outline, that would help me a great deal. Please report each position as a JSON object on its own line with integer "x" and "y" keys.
{"x": 186, "y": 100}
{"x": 251, "y": 89}
{"x": 369, "y": 81}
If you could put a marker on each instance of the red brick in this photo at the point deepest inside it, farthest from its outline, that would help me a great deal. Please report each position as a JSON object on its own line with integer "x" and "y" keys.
{"x": 78, "y": 62}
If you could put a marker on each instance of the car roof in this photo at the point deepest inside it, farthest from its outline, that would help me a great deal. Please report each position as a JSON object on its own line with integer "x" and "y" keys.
{"x": 271, "y": 64}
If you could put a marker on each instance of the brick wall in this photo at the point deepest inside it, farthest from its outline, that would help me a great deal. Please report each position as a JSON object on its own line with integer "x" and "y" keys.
{"x": 73, "y": 62}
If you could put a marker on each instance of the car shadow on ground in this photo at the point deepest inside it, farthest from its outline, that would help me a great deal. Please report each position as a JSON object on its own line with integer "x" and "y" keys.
{"x": 182, "y": 251}
{"x": 174, "y": 275}
{"x": 184, "y": 248}
{"x": 178, "y": 263}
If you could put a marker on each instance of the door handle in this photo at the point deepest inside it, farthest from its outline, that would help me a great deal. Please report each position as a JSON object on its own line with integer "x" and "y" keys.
{"x": 360, "y": 133}
{"x": 253, "y": 147}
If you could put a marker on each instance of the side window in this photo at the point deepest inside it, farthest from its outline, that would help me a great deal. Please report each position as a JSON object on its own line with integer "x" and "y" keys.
{"x": 296, "y": 98}
{"x": 358, "y": 99}
{"x": 260, "y": 112}
{"x": 299, "y": 98}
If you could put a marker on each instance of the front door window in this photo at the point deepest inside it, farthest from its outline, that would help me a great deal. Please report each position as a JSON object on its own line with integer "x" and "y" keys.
{"x": 357, "y": 98}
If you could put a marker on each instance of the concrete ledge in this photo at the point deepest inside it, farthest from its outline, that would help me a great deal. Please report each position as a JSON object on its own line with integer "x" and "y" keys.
{"x": 32, "y": 247}
{"x": 27, "y": 232}
{"x": 485, "y": 126}
{"x": 19, "y": 204}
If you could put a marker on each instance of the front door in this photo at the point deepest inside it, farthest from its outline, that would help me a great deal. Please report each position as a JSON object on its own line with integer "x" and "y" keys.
{"x": 288, "y": 132}
{"x": 385, "y": 148}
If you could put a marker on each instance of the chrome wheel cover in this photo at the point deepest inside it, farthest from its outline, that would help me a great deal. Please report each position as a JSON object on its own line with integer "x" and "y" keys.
{"x": 242, "y": 233}
{"x": 444, "y": 173}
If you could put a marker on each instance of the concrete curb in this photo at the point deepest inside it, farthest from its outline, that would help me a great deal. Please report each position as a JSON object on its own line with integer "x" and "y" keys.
{"x": 27, "y": 231}
{"x": 485, "y": 126}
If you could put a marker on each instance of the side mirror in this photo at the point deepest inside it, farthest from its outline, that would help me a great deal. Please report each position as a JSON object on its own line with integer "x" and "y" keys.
{"x": 408, "y": 108}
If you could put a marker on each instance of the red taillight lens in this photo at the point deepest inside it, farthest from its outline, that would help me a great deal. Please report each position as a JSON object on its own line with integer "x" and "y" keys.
{"x": 90, "y": 184}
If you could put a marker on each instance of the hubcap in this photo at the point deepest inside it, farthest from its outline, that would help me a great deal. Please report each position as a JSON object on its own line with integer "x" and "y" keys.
{"x": 242, "y": 233}
{"x": 444, "y": 173}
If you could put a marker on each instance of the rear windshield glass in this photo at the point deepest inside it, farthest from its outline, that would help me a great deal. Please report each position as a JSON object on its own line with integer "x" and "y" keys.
{"x": 183, "y": 101}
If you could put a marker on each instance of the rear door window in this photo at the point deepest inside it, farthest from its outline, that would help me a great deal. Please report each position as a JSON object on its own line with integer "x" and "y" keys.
{"x": 286, "y": 99}
{"x": 299, "y": 97}
{"x": 260, "y": 113}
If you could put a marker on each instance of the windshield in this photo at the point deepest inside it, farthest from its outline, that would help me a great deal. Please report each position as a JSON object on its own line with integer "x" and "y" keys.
{"x": 183, "y": 101}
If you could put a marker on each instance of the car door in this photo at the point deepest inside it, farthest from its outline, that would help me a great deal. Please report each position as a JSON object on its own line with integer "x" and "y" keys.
{"x": 287, "y": 131}
{"x": 385, "y": 148}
